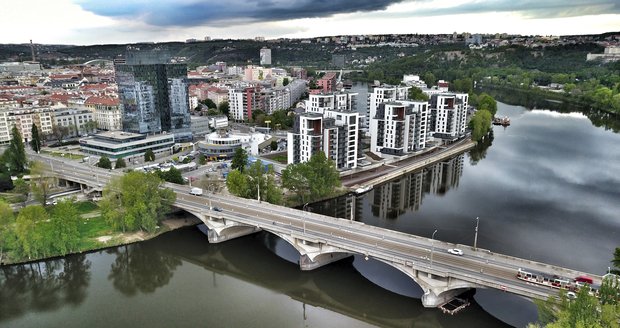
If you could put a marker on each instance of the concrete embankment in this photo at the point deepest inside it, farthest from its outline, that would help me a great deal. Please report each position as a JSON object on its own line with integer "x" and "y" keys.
{"x": 387, "y": 170}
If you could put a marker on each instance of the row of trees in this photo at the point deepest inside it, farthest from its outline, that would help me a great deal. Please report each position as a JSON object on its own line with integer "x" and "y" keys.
{"x": 38, "y": 231}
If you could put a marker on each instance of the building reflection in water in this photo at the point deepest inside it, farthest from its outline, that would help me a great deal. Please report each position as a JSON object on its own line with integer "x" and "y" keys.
{"x": 393, "y": 198}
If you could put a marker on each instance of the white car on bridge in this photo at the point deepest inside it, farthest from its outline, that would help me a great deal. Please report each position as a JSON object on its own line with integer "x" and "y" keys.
{"x": 455, "y": 251}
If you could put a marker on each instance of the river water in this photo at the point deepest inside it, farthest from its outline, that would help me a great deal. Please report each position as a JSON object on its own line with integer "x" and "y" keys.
{"x": 546, "y": 189}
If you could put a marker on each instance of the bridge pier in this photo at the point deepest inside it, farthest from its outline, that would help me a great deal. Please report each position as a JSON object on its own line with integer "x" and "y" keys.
{"x": 306, "y": 263}
{"x": 432, "y": 300}
{"x": 218, "y": 236}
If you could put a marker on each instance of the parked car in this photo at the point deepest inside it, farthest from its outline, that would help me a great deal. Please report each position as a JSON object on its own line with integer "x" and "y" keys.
{"x": 455, "y": 251}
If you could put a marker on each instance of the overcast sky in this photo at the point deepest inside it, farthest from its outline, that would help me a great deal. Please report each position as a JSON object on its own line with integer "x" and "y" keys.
{"x": 124, "y": 21}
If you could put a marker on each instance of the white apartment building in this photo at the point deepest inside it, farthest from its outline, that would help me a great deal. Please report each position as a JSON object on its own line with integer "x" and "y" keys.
{"x": 320, "y": 103}
{"x": 23, "y": 119}
{"x": 335, "y": 133}
{"x": 384, "y": 94}
{"x": 448, "y": 115}
{"x": 399, "y": 128}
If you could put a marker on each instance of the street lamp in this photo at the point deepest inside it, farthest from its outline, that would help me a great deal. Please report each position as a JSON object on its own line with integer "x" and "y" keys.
{"x": 476, "y": 234}
{"x": 432, "y": 249}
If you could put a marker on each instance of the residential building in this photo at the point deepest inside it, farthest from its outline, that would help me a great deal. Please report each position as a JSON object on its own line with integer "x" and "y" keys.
{"x": 154, "y": 96}
{"x": 319, "y": 103}
{"x": 131, "y": 146}
{"x": 448, "y": 115}
{"x": 399, "y": 128}
{"x": 335, "y": 133}
{"x": 383, "y": 94}
{"x": 23, "y": 119}
{"x": 74, "y": 119}
{"x": 107, "y": 112}
{"x": 327, "y": 83}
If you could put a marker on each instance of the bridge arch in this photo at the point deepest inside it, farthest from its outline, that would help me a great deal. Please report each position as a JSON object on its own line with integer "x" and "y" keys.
{"x": 90, "y": 62}
{"x": 437, "y": 290}
{"x": 313, "y": 255}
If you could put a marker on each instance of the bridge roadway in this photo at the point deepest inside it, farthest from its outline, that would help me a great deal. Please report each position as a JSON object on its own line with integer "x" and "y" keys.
{"x": 440, "y": 274}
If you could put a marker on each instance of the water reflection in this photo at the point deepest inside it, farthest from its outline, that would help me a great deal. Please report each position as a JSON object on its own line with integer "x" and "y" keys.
{"x": 479, "y": 152}
{"x": 141, "y": 268}
{"x": 395, "y": 197}
{"x": 43, "y": 286}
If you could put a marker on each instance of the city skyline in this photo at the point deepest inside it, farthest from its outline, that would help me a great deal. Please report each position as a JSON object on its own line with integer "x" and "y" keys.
{"x": 85, "y": 22}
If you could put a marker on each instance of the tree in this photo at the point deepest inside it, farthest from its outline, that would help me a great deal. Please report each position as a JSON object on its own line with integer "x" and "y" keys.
{"x": 60, "y": 132}
{"x": 104, "y": 163}
{"x": 15, "y": 155}
{"x": 120, "y": 163}
{"x": 41, "y": 183}
{"x": 417, "y": 94}
{"x": 274, "y": 145}
{"x": 616, "y": 262}
{"x": 488, "y": 103}
{"x": 224, "y": 108}
{"x": 209, "y": 103}
{"x": 480, "y": 124}
{"x": 35, "y": 142}
{"x": 263, "y": 179}
{"x": 31, "y": 232}
{"x": 22, "y": 189}
{"x": 136, "y": 201}
{"x": 285, "y": 81}
{"x": 239, "y": 160}
{"x": 237, "y": 184}
{"x": 313, "y": 180}
{"x": 202, "y": 159}
{"x": 173, "y": 175}
{"x": 149, "y": 156}
{"x": 90, "y": 126}
{"x": 429, "y": 78}
{"x": 64, "y": 220}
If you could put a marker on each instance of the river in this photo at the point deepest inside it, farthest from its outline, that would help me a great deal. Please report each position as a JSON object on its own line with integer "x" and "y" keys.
{"x": 547, "y": 189}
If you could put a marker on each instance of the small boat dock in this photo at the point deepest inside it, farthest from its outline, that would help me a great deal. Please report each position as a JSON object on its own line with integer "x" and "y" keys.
{"x": 453, "y": 306}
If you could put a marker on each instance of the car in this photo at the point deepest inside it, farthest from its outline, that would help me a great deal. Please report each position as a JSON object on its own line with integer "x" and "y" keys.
{"x": 571, "y": 295}
{"x": 217, "y": 209}
{"x": 455, "y": 251}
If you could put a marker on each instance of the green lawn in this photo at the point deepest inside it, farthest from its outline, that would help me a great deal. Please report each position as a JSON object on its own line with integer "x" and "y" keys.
{"x": 63, "y": 154}
{"x": 86, "y": 207}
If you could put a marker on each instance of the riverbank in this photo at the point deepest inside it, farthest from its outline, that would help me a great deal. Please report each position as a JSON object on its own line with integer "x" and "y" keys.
{"x": 391, "y": 168}
{"x": 173, "y": 222}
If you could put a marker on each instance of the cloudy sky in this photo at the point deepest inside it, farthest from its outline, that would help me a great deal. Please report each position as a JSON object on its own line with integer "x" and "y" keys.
{"x": 122, "y": 21}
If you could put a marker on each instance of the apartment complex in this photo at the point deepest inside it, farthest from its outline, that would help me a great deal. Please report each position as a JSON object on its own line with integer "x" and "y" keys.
{"x": 399, "y": 128}
{"x": 23, "y": 118}
{"x": 244, "y": 101}
{"x": 448, "y": 115}
{"x": 330, "y": 125}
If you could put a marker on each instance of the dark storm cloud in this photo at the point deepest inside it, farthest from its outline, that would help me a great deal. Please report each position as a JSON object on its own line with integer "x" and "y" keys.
{"x": 222, "y": 13}
{"x": 530, "y": 8}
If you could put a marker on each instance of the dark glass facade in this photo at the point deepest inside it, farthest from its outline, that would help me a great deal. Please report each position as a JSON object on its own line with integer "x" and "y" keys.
{"x": 154, "y": 98}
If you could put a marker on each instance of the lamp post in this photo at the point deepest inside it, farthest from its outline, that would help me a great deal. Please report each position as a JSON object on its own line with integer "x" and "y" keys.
{"x": 303, "y": 218}
{"x": 476, "y": 235}
{"x": 257, "y": 186}
{"x": 432, "y": 249}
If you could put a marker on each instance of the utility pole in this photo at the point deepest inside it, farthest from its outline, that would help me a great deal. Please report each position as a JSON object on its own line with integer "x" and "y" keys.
{"x": 476, "y": 235}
